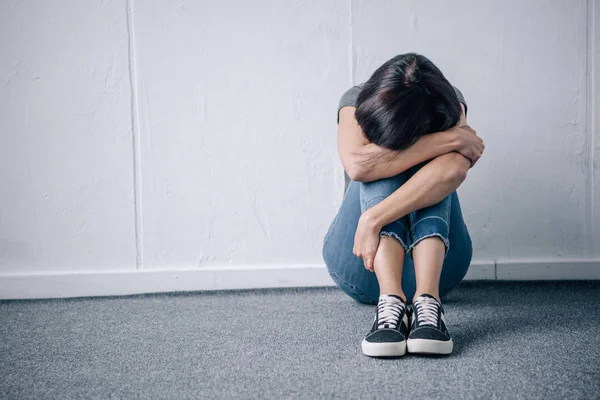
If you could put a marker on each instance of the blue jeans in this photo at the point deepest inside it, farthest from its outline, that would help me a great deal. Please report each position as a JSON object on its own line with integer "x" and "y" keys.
{"x": 443, "y": 220}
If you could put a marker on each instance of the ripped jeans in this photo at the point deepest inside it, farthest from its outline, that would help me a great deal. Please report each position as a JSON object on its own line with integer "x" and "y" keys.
{"x": 443, "y": 220}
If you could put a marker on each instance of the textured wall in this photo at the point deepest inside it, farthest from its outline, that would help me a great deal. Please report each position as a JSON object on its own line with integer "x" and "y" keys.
{"x": 161, "y": 134}
{"x": 237, "y": 121}
{"x": 66, "y": 193}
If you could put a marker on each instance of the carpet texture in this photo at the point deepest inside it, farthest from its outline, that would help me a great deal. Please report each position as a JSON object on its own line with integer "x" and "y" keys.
{"x": 512, "y": 341}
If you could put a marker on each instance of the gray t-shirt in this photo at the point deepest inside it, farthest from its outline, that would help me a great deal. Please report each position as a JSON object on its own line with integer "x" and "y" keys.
{"x": 349, "y": 100}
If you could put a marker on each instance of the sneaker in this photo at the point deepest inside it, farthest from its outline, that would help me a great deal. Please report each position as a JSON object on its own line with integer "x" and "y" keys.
{"x": 428, "y": 332}
{"x": 387, "y": 337}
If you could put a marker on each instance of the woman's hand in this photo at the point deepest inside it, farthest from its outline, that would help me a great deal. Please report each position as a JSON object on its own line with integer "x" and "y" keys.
{"x": 366, "y": 239}
{"x": 466, "y": 142}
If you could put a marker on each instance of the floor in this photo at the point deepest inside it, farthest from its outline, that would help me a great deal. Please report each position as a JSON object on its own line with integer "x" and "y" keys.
{"x": 512, "y": 340}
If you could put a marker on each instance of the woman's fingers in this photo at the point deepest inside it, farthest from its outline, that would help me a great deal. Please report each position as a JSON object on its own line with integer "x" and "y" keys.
{"x": 473, "y": 146}
{"x": 368, "y": 261}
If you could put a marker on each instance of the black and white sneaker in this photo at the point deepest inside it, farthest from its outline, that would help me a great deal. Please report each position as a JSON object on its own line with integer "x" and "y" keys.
{"x": 428, "y": 332}
{"x": 387, "y": 337}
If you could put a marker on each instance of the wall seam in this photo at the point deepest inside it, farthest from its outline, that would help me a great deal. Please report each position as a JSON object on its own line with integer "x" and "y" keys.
{"x": 589, "y": 92}
{"x": 352, "y": 55}
{"x": 591, "y": 113}
{"x": 135, "y": 126}
{"x": 584, "y": 110}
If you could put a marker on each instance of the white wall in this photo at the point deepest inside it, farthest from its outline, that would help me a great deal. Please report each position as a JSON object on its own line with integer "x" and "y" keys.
{"x": 159, "y": 145}
{"x": 66, "y": 193}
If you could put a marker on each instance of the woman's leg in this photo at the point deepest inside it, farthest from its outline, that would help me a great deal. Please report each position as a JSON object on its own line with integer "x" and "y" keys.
{"x": 389, "y": 329}
{"x": 441, "y": 247}
{"x": 393, "y": 244}
{"x": 428, "y": 258}
{"x": 347, "y": 270}
{"x": 349, "y": 273}
{"x": 428, "y": 238}
{"x": 441, "y": 251}
{"x": 388, "y": 263}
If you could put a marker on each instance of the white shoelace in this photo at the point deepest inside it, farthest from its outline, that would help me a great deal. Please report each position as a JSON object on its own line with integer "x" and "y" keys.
{"x": 428, "y": 309}
{"x": 389, "y": 310}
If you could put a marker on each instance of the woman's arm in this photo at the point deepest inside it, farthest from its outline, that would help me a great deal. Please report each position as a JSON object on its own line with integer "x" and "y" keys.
{"x": 355, "y": 150}
{"x": 428, "y": 186}
{"x": 366, "y": 162}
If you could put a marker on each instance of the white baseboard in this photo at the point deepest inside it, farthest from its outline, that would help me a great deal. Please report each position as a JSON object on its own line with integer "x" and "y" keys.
{"x": 547, "y": 270}
{"x": 115, "y": 283}
{"x": 481, "y": 270}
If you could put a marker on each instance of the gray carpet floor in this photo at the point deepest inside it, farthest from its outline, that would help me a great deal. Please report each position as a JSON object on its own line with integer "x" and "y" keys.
{"x": 512, "y": 340}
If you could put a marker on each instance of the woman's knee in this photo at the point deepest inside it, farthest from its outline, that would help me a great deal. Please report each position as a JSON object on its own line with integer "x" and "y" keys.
{"x": 432, "y": 221}
{"x": 375, "y": 191}
{"x": 371, "y": 193}
{"x": 429, "y": 227}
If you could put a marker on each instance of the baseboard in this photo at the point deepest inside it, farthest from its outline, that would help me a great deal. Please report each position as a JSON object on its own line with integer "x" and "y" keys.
{"x": 481, "y": 270}
{"x": 117, "y": 283}
{"x": 547, "y": 270}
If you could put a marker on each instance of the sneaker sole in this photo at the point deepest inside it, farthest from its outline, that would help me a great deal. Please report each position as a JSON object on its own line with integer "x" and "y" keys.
{"x": 426, "y": 346}
{"x": 392, "y": 349}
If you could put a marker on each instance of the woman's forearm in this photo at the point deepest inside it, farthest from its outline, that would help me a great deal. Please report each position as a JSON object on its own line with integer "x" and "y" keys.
{"x": 428, "y": 186}
{"x": 379, "y": 163}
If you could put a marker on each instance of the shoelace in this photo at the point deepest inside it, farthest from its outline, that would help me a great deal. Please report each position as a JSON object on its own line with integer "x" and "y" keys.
{"x": 428, "y": 309}
{"x": 388, "y": 312}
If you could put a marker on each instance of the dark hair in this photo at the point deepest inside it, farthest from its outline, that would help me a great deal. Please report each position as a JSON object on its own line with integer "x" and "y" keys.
{"x": 406, "y": 98}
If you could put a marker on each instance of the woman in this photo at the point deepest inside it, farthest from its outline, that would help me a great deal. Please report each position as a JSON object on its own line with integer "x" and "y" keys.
{"x": 399, "y": 234}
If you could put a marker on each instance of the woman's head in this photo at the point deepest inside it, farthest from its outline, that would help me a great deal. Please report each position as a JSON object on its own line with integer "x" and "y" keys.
{"x": 406, "y": 98}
